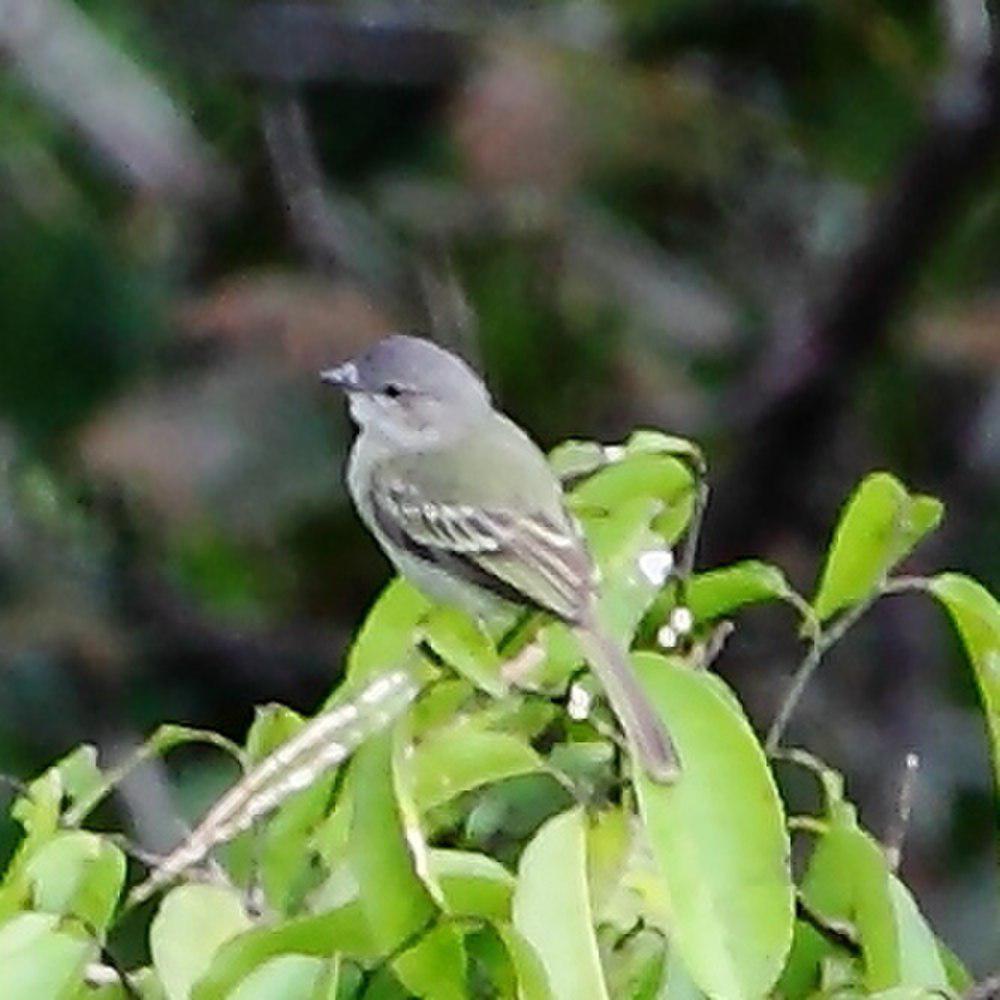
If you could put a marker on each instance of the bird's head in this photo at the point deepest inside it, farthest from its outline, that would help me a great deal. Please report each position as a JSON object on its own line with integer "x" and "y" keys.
{"x": 411, "y": 391}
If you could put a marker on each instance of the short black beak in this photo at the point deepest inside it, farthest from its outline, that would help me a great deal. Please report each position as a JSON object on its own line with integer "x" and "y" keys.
{"x": 344, "y": 377}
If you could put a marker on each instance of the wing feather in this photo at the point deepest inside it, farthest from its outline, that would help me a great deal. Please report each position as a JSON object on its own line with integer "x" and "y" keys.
{"x": 529, "y": 557}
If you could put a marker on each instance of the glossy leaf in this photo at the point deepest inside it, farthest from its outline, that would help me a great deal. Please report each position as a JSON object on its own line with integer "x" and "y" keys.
{"x": 386, "y": 849}
{"x": 848, "y": 880}
{"x": 976, "y": 614}
{"x": 387, "y": 635}
{"x": 466, "y": 648}
{"x": 552, "y": 908}
{"x": 880, "y": 524}
{"x": 649, "y": 476}
{"x": 77, "y": 874}
{"x": 435, "y": 965}
{"x": 38, "y": 960}
{"x": 473, "y": 884}
{"x": 720, "y": 592}
{"x": 460, "y": 758}
{"x": 193, "y": 922}
{"x": 287, "y": 977}
{"x": 718, "y": 836}
{"x": 339, "y": 931}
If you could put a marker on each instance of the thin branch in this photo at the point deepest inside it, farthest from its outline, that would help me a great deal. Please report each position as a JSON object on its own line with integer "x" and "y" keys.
{"x": 987, "y": 989}
{"x": 337, "y": 234}
{"x": 897, "y": 830}
{"x": 113, "y": 104}
{"x": 817, "y": 650}
{"x": 841, "y": 935}
{"x": 323, "y": 743}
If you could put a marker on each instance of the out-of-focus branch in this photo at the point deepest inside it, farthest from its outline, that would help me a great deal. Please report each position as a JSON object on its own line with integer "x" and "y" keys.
{"x": 299, "y": 43}
{"x": 794, "y": 396}
{"x": 114, "y": 105}
{"x": 333, "y": 230}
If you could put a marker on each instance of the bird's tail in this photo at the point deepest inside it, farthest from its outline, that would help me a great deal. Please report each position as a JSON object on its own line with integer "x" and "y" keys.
{"x": 646, "y": 732}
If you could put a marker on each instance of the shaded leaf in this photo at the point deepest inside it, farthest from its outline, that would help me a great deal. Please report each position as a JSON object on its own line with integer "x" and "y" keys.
{"x": 457, "y": 639}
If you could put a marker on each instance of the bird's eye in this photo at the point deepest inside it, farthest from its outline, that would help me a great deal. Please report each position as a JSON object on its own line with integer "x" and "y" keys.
{"x": 392, "y": 390}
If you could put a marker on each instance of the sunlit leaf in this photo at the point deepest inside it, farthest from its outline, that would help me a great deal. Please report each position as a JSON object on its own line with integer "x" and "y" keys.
{"x": 287, "y": 977}
{"x": 338, "y": 931}
{"x": 473, "y": 884}
{"x": 77, "y": 874}
{"x": 720, "y": 592}
{"x": 435, "y": 965}
{"x": 386, "y": 849}
{"x": 718, "y": 836}
{"x": 460, "y": 758}
{"x": 976, "y": 614}
{"x": 552, "y": 908}
{"x": 880, "y": 524}
{"x": 282, "y": 847}
{"x": 193, "y": 922}
{"x": 465, "y": 647}
{"x": 848, "y": 882}
{"x": 38, "y": 960}
{"x": 387, "y": 635}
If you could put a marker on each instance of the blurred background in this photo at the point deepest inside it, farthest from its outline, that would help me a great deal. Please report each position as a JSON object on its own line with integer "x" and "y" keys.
{"x": 773, "y": 227}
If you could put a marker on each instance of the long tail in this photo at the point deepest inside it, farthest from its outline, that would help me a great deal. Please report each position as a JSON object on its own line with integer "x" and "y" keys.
{"x": 645, "y": 730}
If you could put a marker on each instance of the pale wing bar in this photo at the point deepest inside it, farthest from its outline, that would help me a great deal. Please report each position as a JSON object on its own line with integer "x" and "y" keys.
{"x": 490, "y": 542}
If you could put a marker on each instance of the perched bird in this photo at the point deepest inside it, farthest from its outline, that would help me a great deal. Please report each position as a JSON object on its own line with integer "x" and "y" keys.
{"x": 465, "y": 505}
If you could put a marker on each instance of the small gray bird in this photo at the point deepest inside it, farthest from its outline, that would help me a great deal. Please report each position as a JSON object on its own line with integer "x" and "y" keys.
{"x": 465, "y": 505}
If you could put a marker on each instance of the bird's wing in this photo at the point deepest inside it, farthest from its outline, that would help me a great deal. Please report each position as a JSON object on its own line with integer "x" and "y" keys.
{"x": 531, "y": 557}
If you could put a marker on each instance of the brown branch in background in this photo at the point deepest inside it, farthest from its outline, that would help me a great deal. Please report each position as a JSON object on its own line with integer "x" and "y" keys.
{"x": 337, "y": 234}
{"x": 115, "y": 105}
{"x": 796, "y": 394}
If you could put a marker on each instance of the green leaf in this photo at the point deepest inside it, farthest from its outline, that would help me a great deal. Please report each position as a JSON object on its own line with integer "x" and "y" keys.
{"x": 284, "y": 844}
{"x": 193, "y": 922}
{"x": 343, "y": 930}
{"x": 648, "y": 476}
{"x": 573, "y": 459}
{"x": 435, "y": 965}
{"x": 40, "y": 962}
{"x": 473, "y": 884}
{"x": 552, "y": 908}
{"x": 386, "y": 848}
{"x": 461, "y": 643}
{"x": 387, "y": 635}
{"x": 636, "y": 967}
{"x": 287, "y": 977}
{"x": 848, "y": 880}
{"x": 880, "y": 525}
{"x": 718, "y": 836}
{"x": 455, "y": 760}
{"x": 719, "y": 592}
{"x": 657, "y": 442}
{"x": 77, "y": 874}
{"x": 38, "y": 814}
{"x": 976, "y": 614}
{"x": 532, "y": 977}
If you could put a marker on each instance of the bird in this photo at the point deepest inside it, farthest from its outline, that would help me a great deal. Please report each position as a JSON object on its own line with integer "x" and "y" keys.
{"x": 466, "y": 507}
